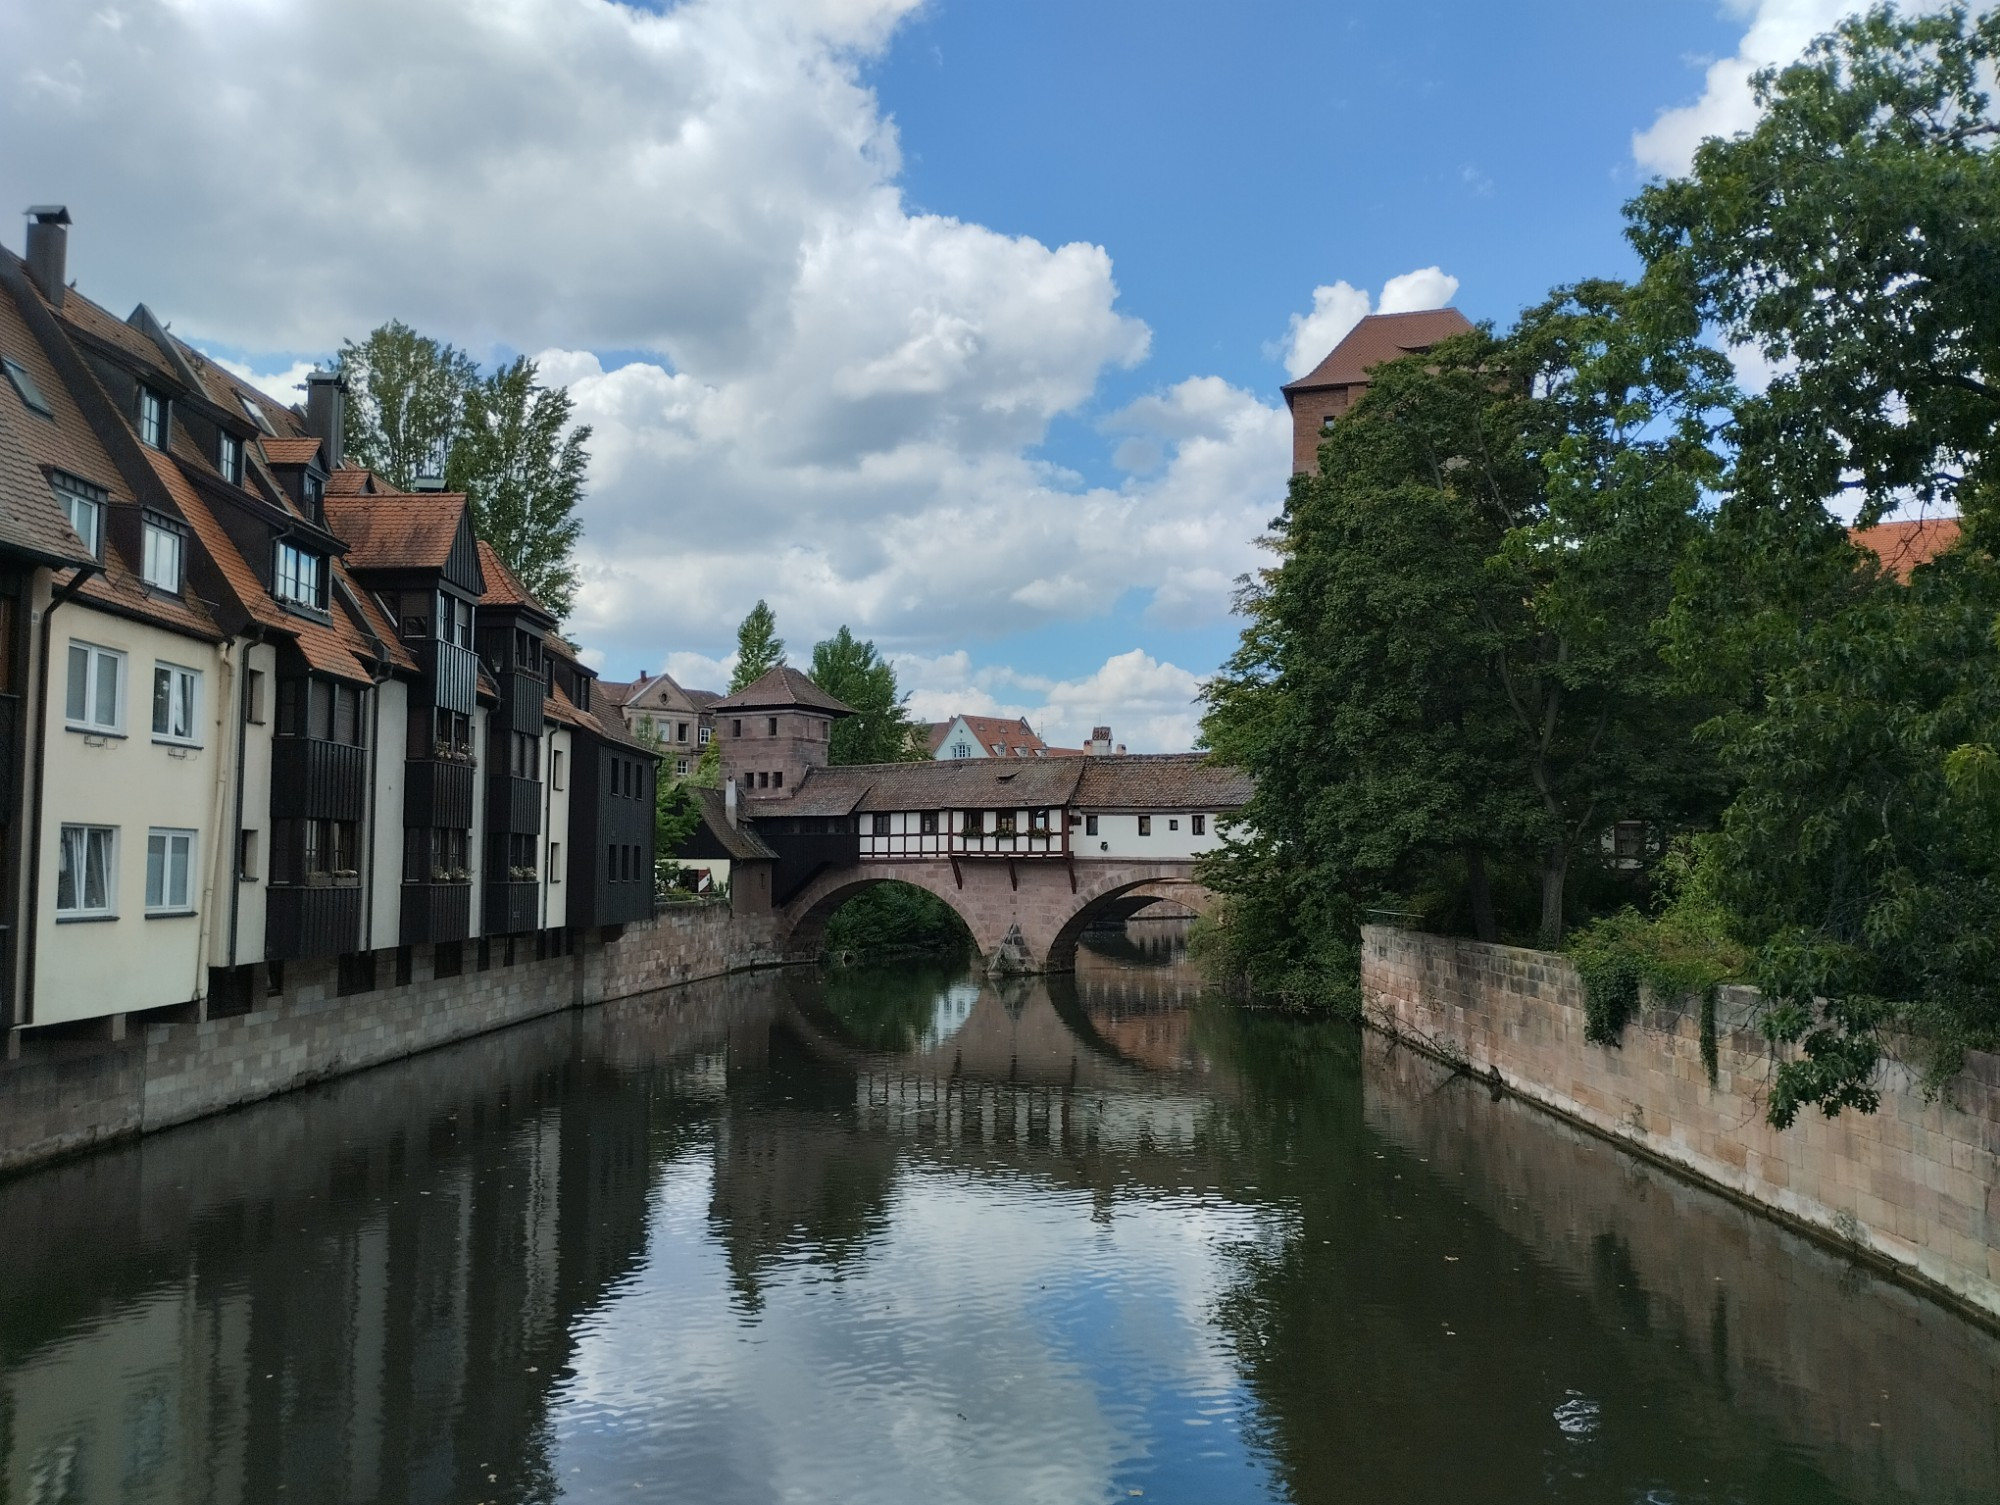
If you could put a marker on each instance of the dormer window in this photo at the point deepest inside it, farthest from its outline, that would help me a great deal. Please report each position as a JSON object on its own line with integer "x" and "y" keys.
{"x": 164, "y": 555}
{"x": 299, "y": 577}
{"x": 85, "y": 505}
{"x": 229, "y": 458}
{"x": 152, "y": 419}
{"x": 254, "y": 412}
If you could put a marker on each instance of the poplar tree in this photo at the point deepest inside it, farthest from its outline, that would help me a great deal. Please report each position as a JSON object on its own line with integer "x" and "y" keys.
{"x": 880, "y": 730}
{"x": 759, "y": 649}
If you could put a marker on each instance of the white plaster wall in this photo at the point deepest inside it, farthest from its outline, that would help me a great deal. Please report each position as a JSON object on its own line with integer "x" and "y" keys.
{"x": 89, "y": 968}
{"x": 248, "y": 940}
{"x": 555, "y": 826}
{"x": 475, "y": 844}
{"x": 389, "y": 729}
{"x": 1118, "y": 835}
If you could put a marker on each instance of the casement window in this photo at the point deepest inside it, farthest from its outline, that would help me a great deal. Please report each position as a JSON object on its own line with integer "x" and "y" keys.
{"x": 774, "y": 725}
{"x": 316, "y": 852}
{"x": 169, "y": 871}
{"x": 176, "y": 695}
{"x": 299, "y": 576}
{"x": 436, "y": 855}
{"x": 680, "y": 731}
{"x": 778, "y": 779}
{"x": 454, "y": 619}
{"x": 96, "y": 695}
{"x": 1003, "y": 823}
{"x": 320, "y": 708}
{"x": 85, "y": 505}
{"x": 1198, "y": 825}
{"x": 736, "y": 727}
{"x": 1038, "y": 821}
{"x": 1090, "y": 825}
{"x": 1145, "y": 825}
{"x": 974, "y": 823}
{"x": 927, "y": 823}
{"x": 229, "y": 457}
{"x": 526, "y": 754}
{"x": 152, "y": 419}
{"x": 704, "y": 735}
{"x": 86, "y": 873}
{"x": 165, "y": 548}
{"x": 680, "y": 768}
{"x": 961, "y": 749}
{"x": 24, "y": 385}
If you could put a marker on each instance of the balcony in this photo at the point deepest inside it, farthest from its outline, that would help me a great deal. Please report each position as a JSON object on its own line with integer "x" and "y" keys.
{"x": 302, "y": 921}
{"x": 436, "y": 912}
{"x": 514, "y": 805}
{"x": 437, "y": 793}
{"x": 316, "y": 780}
{"x": 512, "y": 907}
{"x": 521, "y": 697}
{"x": 454, "y": 678}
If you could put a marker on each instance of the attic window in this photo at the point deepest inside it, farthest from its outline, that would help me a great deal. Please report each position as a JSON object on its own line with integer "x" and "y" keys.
{"x": 85, "y": 505}
{"x": 24, "y": 384}
{"x": 165, "y": 548}
{"x": 299, "y": 576}
{"x": 229, "y": 457}
{"x": 152, "y": 419}
{"x": 255, "y": 412}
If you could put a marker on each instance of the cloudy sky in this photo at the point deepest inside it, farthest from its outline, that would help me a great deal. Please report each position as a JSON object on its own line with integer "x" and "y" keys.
{"x": 961, "y": 323}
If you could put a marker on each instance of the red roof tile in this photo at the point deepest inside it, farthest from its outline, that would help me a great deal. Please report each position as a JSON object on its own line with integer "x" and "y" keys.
{"x": 503, "y": 586}
{"x": 1379, "y": 338}
{"x": 289, "y": 451}
{"x": 1903, "y": 546}
{"x": 397, "y": 530}
{"x": 780, "y": 687}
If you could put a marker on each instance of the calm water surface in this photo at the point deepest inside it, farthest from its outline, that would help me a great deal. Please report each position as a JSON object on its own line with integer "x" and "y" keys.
{"x": 906, "y": 1235}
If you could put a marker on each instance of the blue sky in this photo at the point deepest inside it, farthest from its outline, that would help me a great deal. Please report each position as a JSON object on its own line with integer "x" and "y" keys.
{"x": 958, "y": 322}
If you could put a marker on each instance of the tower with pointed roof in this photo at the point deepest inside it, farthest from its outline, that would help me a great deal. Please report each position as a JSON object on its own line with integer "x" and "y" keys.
{"x": 1336, "y": 383}
{"x": 773, "y": 730}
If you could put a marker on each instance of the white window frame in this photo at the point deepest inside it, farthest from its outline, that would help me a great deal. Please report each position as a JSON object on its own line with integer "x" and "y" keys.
{"x": 179, "y": 674}
{"x": 229, "y": 457}
{"x": 704, "y": 735}
{"x": 253, "y": 412}
{"x": 166, "y": 838}
{"x": 288, "y": 576}
{"x": 97, "y": 656}
{"x": 163, "y": 544}
{"x": 26, "y": 388}
{"x": 152, "y": 418}
{"x": 82, "y": 507}
{"x": 77, "y": 910}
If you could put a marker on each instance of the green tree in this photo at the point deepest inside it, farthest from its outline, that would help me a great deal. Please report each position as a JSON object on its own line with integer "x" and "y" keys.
{"x": 406, "y": 401}
{"x": 1848, "y": 238}
{"x": 521, "y": 462}
{"x": 759, "y": 649}
{"x": 1450, "y": 685}
{"x": 880, "y": 730}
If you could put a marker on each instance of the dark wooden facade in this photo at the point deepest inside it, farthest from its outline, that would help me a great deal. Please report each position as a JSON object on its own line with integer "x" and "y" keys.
{"x": 611, "y": 827}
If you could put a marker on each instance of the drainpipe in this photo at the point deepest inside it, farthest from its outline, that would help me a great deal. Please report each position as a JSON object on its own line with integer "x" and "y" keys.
{"x": 66, "y": 592}
{"x": 254, "y": 639}
{"x": 219, "y": 862}
{"x": 374, "y": 775}
{"x": 548, "y": 820}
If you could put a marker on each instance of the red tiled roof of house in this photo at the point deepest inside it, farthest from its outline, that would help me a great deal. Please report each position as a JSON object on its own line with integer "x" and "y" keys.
{"x": 290, "y": 451}
{"x": 1161, "y": 781}
{"x": 1379, "y": 338}
{"x": 396, "y": 530}
{"x": 351, "y": 480}
{"x": 1903, "y": 546}
{"x": 503, "y": 586}
{"x": 1012, "y": 734}
{"x": 782, "y": 686}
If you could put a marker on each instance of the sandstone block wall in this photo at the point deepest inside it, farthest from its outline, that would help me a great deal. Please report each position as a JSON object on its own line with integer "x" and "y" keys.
{"x": 66, "y": 1095}
{"x": 1915, "y": 1184}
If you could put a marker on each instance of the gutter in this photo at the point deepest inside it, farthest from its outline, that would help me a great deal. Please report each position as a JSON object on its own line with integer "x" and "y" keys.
{"x": 67, "y": 592}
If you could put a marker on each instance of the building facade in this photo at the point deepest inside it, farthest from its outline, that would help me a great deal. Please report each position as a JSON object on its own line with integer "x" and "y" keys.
{"x": 260, "y": 710}
{"x": 1337, "y": 383}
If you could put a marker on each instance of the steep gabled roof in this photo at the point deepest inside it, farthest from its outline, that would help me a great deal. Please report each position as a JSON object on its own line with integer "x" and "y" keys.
{"x": 739, "y": 843}
{"x": 397, "y": 530}
{"x": 779, "y": 688}
{"x": 1012, "y": 733}
{"x": 290, "y": 451}
{"x": 504, "y": 587}
{"x": 1903, "y": 546}
{"x": 1379, "y": 338}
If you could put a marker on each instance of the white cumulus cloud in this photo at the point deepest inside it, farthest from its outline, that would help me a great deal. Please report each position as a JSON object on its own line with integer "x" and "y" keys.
{"x": 1148, "y": 704}
{"x": 1339, "y": 307}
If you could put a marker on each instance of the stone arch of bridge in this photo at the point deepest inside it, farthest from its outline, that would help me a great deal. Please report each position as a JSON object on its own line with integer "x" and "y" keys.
{"x": 1023, "y": 918}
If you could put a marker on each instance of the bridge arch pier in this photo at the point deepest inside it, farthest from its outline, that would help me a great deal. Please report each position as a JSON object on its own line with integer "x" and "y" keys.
{"x": 1023, "y": 916}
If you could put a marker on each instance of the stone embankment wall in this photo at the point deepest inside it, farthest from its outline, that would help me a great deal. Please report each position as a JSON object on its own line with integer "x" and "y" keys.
{"x": 67, "y": 1095}
{"x": 1914, "y": 1186}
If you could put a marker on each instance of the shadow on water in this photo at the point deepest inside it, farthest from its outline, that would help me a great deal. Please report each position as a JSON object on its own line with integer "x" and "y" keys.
{"x": 912, "y": 1234}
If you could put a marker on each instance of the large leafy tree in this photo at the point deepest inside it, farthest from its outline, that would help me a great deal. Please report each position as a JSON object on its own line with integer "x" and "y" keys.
{"x": 521, "y": 461}
{"x": 880, "y": 730}
{"x": 759, "y": 649}
{"x": 1451, "y": 684}
{"x": 1849, "y": 239}
{"x": 406, "y": 401}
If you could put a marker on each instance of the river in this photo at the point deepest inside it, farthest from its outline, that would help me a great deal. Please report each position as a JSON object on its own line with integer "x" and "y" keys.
{"x": 905, "y": 1235}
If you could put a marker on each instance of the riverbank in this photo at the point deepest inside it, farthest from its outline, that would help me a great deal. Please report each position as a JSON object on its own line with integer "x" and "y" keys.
{"x": 1913, "y": 1189}
{"x": 65, "y": 1095}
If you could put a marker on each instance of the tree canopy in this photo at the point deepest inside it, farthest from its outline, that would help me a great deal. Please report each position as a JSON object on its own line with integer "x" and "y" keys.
{"x": 759, "y": 649}
{"x": 880, "y": 730}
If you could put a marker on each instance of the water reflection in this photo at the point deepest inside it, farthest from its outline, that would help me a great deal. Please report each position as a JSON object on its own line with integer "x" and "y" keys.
{"x": 913, "y": 1236}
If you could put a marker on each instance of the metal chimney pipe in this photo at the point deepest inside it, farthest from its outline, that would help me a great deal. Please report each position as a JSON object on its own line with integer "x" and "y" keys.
{"x": 326, "y": 413}
{"x": 48, "y": 250}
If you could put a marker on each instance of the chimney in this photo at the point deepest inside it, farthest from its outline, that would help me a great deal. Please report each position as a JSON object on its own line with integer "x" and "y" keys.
{"x": 48, "y": 250}
{"x": 729, "y": 802}
{"x": 326, "y": 413}
{"x": 427, "y": 483}
{"x": 1100, "y": 741}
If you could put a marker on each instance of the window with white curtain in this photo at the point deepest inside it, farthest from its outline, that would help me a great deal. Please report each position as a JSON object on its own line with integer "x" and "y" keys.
{"x": 86, "y": 872}
{"x": 169, "y": 870}
{"x": 85, "y": 505}
{"x": 175, "y": 694}
{"x": 164, "y": 547}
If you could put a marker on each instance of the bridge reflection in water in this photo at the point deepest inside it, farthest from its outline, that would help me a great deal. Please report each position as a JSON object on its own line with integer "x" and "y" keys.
{"x": 917, "y": 1236}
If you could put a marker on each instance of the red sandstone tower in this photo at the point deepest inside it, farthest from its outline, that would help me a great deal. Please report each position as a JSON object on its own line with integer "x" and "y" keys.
{"x": 1336, "y": 383}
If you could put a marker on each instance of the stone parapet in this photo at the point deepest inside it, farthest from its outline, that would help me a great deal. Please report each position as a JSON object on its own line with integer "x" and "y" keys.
{"x": 1914, "y": 1187}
